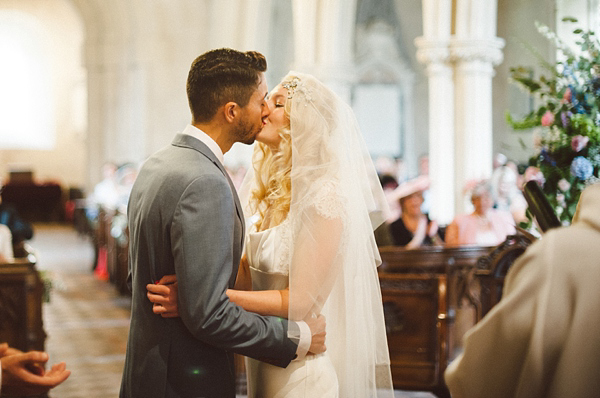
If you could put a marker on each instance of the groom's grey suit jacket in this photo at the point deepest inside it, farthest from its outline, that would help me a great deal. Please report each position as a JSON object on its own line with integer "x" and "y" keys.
{"x": 184, "y": 217}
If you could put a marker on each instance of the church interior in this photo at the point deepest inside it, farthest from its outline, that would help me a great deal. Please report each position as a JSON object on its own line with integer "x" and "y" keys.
{"x": 90, "y": 88}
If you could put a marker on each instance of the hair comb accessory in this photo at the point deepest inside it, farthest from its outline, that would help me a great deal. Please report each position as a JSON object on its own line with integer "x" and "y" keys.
{"x": 295, "y": 85}
{"x": 290, "y": 86}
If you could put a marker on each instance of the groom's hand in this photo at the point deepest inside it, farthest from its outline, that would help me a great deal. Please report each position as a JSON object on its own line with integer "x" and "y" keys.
{"x": 317, "y": 330}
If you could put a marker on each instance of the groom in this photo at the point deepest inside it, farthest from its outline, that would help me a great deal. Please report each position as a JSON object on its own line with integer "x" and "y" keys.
{"x": 185, "y": 218}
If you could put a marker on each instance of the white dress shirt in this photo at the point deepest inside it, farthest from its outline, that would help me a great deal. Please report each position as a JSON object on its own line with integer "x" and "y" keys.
{"x": 206, "y": 139}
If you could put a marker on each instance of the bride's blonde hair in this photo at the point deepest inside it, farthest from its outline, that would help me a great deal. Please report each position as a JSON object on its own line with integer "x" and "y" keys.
{"x": 273, "y": 183}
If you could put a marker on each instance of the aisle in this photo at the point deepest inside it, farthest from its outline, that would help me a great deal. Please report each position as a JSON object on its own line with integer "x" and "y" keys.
{"x": 87, "y": 321}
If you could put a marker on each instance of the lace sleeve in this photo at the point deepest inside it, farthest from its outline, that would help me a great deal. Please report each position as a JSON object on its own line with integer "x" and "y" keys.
{"x": 328, "y": 202}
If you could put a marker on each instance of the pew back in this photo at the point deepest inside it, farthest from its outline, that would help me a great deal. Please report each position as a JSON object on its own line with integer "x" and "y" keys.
{"x": 422, "y": 292}
{"x": 21, "y": 294}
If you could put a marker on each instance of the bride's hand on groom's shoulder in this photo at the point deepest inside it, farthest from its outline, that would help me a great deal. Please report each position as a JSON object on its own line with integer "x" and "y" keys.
{"x": 163, "y": 296}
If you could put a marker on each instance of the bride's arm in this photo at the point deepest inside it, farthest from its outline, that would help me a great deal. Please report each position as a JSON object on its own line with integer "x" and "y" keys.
{"x": 315, "y": 265}
{"x": 263, "y": 302}
{"x": 315, "y": 270}
{"x": 266, "y": 302}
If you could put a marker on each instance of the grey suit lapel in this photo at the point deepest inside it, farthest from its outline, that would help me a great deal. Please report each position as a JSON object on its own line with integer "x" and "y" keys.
{"x": 187, "y": 141}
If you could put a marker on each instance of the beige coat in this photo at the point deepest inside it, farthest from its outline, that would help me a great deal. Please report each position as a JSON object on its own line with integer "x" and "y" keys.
{"x": 543, "y": 337}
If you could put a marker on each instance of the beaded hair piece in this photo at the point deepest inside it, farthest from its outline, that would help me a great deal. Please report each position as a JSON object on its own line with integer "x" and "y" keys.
{"x": 295, "y": 85}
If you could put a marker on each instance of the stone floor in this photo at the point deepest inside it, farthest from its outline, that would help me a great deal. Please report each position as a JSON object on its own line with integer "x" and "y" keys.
{"x": 86, "y": 320}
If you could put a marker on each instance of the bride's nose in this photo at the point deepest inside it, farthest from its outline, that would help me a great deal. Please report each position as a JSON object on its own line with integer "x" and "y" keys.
{"x": 266, "y": 111}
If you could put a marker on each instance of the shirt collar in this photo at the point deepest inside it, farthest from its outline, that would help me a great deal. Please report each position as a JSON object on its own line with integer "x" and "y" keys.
{"x": 206, "y": 139}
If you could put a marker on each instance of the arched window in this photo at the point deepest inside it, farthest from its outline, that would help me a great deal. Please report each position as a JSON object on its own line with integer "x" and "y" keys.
{"x": 26, "y": 103}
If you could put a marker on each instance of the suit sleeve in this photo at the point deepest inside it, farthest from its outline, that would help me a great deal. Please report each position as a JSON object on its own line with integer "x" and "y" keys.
{"x": 202, "y": 236}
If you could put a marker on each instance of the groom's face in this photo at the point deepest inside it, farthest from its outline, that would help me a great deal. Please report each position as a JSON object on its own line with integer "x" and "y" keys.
{"x": 254, "y": 115}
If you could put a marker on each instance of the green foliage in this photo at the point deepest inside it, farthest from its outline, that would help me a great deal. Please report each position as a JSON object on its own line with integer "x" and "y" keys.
{"x": 567, "y": 120}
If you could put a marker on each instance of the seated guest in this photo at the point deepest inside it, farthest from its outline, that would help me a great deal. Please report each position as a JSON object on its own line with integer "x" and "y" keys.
{"x": 506, "y": 193}
{"x": 389, "y": 185}
{"x": 541, "y": 339}
{"x": 6, "y": 247}
{"x": 106, "y": 192}
{"x": 485, "y": 226}
{"x": 126, "y": 175}
{"x": 413, "y": 229}
{"x": 23, "y": 374}
{"x": 382, "y": 233}
{"x": 20, "y": 229}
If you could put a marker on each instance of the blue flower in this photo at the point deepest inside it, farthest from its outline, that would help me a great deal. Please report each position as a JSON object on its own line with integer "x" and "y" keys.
{"x": 581, "y": 168}
{"x": 580, "y": 107}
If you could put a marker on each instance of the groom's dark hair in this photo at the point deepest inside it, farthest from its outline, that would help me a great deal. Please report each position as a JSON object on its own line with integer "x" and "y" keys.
{"x": 220, "y": 76}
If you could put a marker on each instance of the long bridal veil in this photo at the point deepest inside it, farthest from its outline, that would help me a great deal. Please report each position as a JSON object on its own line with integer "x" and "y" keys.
{"x": 336, "y": 203}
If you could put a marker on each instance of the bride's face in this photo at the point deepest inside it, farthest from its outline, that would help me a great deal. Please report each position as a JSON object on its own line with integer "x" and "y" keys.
{"x": 277, "y": 119}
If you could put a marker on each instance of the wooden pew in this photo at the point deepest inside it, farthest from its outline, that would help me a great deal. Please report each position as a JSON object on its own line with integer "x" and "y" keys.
{"x": 21, "y": 295}
{"x": 111, "y": 239}
{"x": 120, "y": 252}
{"x": 422, "y": 291}
{"x": 486, "y": 281}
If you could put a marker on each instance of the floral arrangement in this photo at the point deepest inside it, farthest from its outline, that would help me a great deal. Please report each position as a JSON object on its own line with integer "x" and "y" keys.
{"x": 567, "y": 139}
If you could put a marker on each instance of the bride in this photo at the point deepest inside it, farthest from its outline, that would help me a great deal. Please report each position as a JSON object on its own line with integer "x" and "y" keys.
{"x": 314, "y": 199}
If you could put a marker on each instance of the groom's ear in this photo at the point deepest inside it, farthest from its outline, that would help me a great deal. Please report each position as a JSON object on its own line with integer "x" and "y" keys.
{"x": 231, "y": 111}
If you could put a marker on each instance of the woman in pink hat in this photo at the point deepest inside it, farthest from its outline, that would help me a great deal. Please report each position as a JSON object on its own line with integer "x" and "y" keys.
{"x": 413, "y": 229}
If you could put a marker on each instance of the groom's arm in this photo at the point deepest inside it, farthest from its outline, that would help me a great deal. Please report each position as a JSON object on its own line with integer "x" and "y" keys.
{"x": 202, "y": 236}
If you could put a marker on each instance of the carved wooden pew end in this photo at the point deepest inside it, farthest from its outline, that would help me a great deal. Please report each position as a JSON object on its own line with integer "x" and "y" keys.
{"x": 21, "y": 296}
{"x": 422, "y": 291}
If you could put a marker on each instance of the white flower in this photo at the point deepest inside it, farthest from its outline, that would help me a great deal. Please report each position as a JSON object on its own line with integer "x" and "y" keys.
{"x": 559, "y": 210}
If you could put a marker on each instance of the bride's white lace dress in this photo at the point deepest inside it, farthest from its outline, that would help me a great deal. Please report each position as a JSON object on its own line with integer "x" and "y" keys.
{"x": 268, "y": 256}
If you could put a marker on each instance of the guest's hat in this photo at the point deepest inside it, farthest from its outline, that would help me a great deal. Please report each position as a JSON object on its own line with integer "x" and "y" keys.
{"x": 407, "y": 188}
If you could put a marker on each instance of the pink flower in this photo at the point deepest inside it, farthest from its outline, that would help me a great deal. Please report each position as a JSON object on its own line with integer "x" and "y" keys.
{"x": 567, "y": 95}
{"x": 579, "y": 142}
{"x": 564, "y": 186}
{"x": 548, "y": 118}
{"x": 534, "y": 174}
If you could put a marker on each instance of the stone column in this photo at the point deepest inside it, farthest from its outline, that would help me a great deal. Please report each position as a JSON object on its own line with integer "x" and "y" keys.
{"x": 323, "y": 42}
{"x": 475, "y": 51}
{"x": 102, "y": 83}
{"x": 224, "y": 31}
{"x": 305, "y": 34}
{"x": 433, "y": 51}
{"x": 436, "y": 56}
